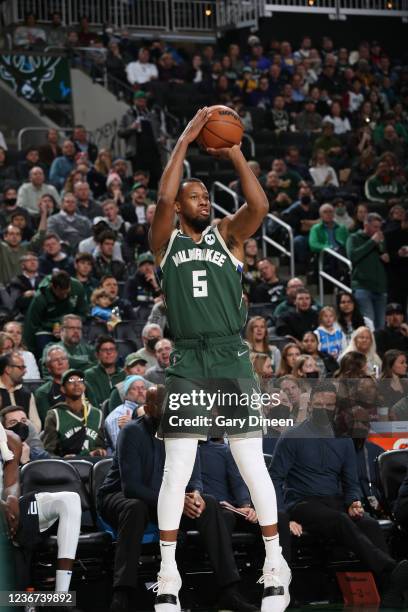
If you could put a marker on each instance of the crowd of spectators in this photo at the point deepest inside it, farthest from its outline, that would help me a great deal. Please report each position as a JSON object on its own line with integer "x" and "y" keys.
{"x": 82, "y": 311}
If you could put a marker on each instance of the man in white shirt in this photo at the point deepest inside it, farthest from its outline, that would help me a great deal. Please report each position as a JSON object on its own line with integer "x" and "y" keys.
{"x": 141, "y": 71}
{"x": 29, "y": 194}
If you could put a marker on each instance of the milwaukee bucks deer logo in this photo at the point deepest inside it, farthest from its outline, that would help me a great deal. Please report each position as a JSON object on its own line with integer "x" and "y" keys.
{"x": 27, "y": 74}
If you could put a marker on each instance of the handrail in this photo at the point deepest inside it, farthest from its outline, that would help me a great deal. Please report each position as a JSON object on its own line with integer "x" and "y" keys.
{"x": 251, "y": 143}
{"x": 329, "y": 277}
{"x": 267, "y": 240}
{"x": 187, "y": 169}
{"x": 41, "y": 129}
{"x": 220, "y": 209}
{"x": 219, "y": 185}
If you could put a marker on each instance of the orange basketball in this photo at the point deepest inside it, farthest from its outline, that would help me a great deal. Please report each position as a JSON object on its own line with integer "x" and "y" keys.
{"x": 222, "y": 130}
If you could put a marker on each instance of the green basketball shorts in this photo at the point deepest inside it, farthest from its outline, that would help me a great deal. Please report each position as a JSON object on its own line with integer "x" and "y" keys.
{"x": 211, "y": 390}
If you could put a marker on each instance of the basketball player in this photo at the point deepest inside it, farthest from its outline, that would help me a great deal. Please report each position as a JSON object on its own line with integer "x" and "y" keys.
{"x": 30, "y": 516}
{"x": 200, "y": 269}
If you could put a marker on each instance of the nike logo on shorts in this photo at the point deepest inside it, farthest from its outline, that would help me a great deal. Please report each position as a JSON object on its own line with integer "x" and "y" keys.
{"x": 240, "y": 353}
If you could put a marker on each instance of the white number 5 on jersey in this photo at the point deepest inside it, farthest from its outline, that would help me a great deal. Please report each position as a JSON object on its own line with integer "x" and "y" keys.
{"x": 200, "y": 288}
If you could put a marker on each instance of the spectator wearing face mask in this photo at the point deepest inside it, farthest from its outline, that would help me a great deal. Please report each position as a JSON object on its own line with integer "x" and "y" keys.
{"x": 15, "y": 419}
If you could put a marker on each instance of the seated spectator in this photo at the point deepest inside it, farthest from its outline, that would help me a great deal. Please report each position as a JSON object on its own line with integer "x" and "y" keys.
{"x": 55, "y": 360}
{"x": 391, "y": 142}
{"x": 256, "y": 336}
{"x": 12, "y": 391}
{"x": 394, "y": 383}
{"x": 103, "y": 376}
{"x": 83, "y": 273}
{"x": 290, "y": 181}
{"x": 290, "y": 354}
{"x": 363, "y": 341}
{"x": 19, "y": 219}
{"x": 395, "y": 333}
{"x": 330, "y": 143}
{"x": 116, "y": 69}
{"x": 87, "y": 207}
{"x": 366, "y": 250}
{"x": 6, "y": 343}
{"x": 135, "y": 211}
{"x": 134, "y": 390}
{"x": 288, "y": 304}
{"x": 271, "y": 288}
{"x": 329, "y": 333}
{"x": 105, "y": 262}
{"x": 102, "y": 309}
{"x": 309, "y": 121}
{"x": 114, "y": 220}
{"x": 275, "y": 193}
{"x": 74, "y": 427}
{"x": 30, "y": 161}
{"x": 68, "y": 224}
{"x": 30, "y": 194}
{"x": 14, "y": 418}
{"x": 12, "y": 249}
{"x": 82, "y": 143}
{"x": 341, "y": 215}
{"x": 348, "y": 314}
{"x": 110, "y": 285}
{"x": 401, "y": 504}
{"x": 134, "y": 366}
{"x": 262, "y": 365}
{"x": 141, "y": 71}
{"x": 327, "y": 233}
{"x": 30, "y": 35}
{"x": 57, "y": 296}
{"x": 251, "y": 275}
{"x": 151, "y": 334}
{"x": 295, "y": 164}
{"x": 157, "y": 373}
{"x": 297, "y": 323}
{"x": 311, "y": 493}
{"x": 80, "y": 354}
{"x": 62, "y": 165}
{"x": 261, "y": 97}
{"x": 103, "y": 162}
{"x": 15, "y": 330}
{"x": 382, "y": 188}
{"x": 278, "y": 119}
{"x": 322, "y": 173}
{"x": 23, "y": 286}
{"x": 130, "y": 486}
{"x": 301, "y": 216}
{"x": 359, "y": 216}
{"x": 53, "y": 257}
{"x": 137, "y": 237}
{"x": 49, "y": 151}
{"x": 297, "y": 397}
{"x": 91, "y": 246}
{"x": 336, "y": 117}
{"x": 325, "y": 362}
{"x": 8, "y": 173}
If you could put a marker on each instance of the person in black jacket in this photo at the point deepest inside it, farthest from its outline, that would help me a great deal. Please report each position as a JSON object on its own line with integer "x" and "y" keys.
{"x": 401, "y": 505}
{"x": 395, "y": 333}
{"x": 105, "y": 264}
{"x": 128, "y": 497}
{"x": 296, "y": 324}
{"x": 23, "y": 286}
{"x": 316, "y": 482}
{"x": 143, "y": 286}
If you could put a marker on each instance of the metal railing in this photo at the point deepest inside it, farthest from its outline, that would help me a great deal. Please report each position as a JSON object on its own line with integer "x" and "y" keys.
{"x": 186, "y": 169}
{"x": 251, "y": 141}
{"x": 62, "y": 132}
{"x": 220, "y": 186}
{"x": 268, "y": 240}
{"x": 340, "y": 9}
{"x": 326, "y": 276}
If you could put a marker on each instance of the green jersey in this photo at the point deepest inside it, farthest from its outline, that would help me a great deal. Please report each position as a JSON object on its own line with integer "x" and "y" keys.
{"x": 201, "y": 282}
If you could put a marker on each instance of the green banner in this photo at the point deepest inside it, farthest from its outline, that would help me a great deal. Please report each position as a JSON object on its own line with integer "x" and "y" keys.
{"x": 37, "y": 77}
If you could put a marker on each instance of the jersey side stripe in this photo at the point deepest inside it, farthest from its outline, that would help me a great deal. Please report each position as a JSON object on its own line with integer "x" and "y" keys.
{"x": 238, "y": 264}
{"x": 172, "y": 237}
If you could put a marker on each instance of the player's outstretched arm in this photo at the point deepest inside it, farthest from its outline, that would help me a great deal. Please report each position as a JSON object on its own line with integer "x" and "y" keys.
{"x": 162, "y": 225}
{"x": 244, "y": 223}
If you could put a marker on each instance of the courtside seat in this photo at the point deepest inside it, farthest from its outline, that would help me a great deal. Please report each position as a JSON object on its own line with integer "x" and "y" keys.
{"x": 392, "y": 468}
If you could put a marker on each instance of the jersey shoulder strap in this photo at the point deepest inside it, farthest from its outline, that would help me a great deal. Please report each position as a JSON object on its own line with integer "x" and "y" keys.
{"x": 169, "y": 245}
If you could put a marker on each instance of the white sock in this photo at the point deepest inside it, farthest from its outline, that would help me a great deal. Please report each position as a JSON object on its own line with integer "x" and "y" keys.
{"x": 63, "y": 580}
{"x": 272, "y": 551}
{"x": 168, "y": 555}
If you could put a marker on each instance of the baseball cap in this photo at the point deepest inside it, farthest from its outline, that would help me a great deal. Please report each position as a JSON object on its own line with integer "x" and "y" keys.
{"x": 145, "y": 257}
{"x": 394, "y": 307}
{"x": 134, "y": 358}
{"x": 139, "y": 94}
{"x": 99, "y": 220}
{"x": 71, "y": 372}
{"x": 247, "y": 69}
{"x": 137, "y": 185}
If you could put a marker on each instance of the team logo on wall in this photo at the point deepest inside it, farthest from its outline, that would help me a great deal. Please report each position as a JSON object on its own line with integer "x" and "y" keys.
{"x": 27, "y": 75}
{"x": 209, "y": 238}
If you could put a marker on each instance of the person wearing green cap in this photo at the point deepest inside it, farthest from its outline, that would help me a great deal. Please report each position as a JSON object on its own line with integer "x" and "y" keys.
{"x": 135, "y": 210}
{"x": 141, "y": 130}
{"x": 143, "y": 288}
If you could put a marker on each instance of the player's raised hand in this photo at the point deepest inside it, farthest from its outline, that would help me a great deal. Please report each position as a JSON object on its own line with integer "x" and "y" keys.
{"x": 196, "y": 124}
{"x": 225, "y": 153}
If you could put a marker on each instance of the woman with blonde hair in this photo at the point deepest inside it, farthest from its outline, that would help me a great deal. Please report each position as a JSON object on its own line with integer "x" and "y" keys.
{"x": 6, "y": 343}
{"x": 263, "y": 369}
{"x": 257, "y": 337}
{"x": 306, "y": 367}
{"x": 363, "y": 341}
{"x": 103, "y": 162}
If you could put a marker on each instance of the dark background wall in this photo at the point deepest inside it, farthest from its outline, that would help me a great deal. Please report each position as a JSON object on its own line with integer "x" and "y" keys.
{"x": 391, "y": 32}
